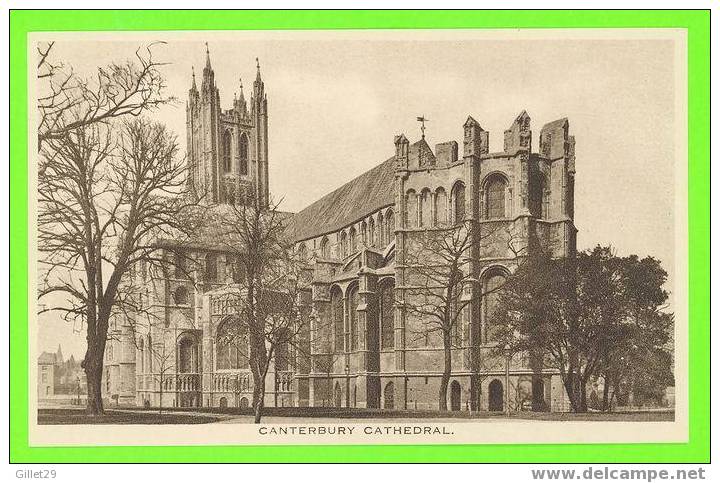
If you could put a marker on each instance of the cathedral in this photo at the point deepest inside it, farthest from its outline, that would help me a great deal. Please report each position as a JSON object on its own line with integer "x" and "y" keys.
{"x": 368, "y": 347}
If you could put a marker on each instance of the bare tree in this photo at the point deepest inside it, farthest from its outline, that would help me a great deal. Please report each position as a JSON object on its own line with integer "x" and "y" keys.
{"x": 105, "y": 193}
{"x": 163, "y": 363}
{"x": 438, "y": 264}
{"x": 271, "y": 281}
{"x": 67, "y": 102}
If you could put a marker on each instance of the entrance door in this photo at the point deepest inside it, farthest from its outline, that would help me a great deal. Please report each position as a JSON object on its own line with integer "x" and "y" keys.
{"x": 389, "y": 396}
{"x": 338, "y": 395}
{"x": 495, "y": 398}
{"x": 455, "y": 396}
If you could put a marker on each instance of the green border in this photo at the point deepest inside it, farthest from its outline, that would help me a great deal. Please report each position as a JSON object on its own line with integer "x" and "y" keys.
{"x": 697, "y": 24}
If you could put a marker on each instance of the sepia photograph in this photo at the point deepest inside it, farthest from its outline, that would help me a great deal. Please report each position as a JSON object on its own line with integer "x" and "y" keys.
{"x": 358, "y": 237}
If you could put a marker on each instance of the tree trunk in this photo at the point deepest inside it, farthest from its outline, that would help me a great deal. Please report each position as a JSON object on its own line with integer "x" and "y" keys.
{"x": 606, "y": 393}
{"x": 259, "y": 401}
{"x": 583, "y": 396}
{"x": 447, "y": 368}
{"x": 93, "y": 373}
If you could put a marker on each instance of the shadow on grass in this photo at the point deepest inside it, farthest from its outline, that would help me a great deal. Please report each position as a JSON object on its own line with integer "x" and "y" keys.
{"x": 78, "y": 416}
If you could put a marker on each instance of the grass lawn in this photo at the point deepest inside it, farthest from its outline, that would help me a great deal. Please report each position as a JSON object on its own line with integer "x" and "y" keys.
{"x": 112, "y": 416}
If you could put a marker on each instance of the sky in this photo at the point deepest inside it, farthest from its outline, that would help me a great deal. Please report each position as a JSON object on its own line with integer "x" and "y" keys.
{"x": 335, "y": 105}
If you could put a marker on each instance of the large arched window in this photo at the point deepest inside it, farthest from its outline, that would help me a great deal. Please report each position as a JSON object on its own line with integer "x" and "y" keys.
{"x": 188, "y": 354}
{"x": 336, "y": 312}
{"x": 389, "y": 226}
{"x": 243, "y": 154}
{"x": 492, "y": 284}
{"x": 411, "y": 209}
{"x": 495, "y": 197}
{"x": 441, "y": 207}
{"x": 226, "y": 151}
{"x": 458, "y": 196}
{"x": 232, "y": 345}
{"x": 387, "y": 315}
{"x": 425, "y": 217}
{"x": 353, "y": 302}
{"x": 325, "y": 248}
{"x": 211, "y": 268}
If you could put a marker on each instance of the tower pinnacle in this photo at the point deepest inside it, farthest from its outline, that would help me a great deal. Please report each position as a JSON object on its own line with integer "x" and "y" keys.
{"x": 207, "y": 56}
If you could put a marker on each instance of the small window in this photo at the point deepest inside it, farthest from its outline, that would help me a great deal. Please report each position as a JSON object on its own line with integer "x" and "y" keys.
{"x": 389, "y": 226}
{"x": 441, "y": 207}
{"x": 411, "y": 209}
{"x": 425, "y": 218}
{"x": 181, "y": 296}
{"x": 459, "y": 203}
{"x": 325, "y": 248}
{"x": 211, "y": 269}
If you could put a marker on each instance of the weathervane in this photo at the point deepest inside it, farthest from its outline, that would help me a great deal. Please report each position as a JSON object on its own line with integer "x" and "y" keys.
{"x": 422, "y": 120}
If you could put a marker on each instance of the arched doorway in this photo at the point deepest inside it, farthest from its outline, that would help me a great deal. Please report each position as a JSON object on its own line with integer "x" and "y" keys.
{"x": 223, "y": 402}
{"x": 389, "y": 396}
{"x": 538, "y": 394}
{"x": 338, "y": 395}
{"x": 244, "y": 403}
{"x": 455, "y": 396}
{"x": 495, "y": 397}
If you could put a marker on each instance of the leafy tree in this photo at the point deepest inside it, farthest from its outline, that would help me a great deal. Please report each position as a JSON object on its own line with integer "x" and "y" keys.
{"x": 592, "y": 315}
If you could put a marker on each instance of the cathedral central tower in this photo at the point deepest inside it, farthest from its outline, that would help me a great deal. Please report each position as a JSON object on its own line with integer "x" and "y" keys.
{"x": 227, "y": 150}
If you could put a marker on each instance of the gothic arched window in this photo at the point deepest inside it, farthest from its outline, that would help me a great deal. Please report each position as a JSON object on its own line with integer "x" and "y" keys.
{"x": 232, "y": 345}
{"x": 440, "y": 207}
{"x": 343, "y": 245}
{"x": 243, "y": 154}
{"x": 353, "y": 302}
{"x": 211, "y": 268}
{"x": 387, "y": 315}
{"x": 364, "y": 234}
{"x": 411, "y": 209}
{"x": 495, "y": 197}
{"x": 371, "y": 233}
{"x": 325, "y": 248}
{"x": 458, "y": 196}
{"x": 302, "y": 252}
{"x": 381, "y": 230}
{"x": 425, "y": 218}
{"x": 336, "y": 312}
{"x": 226, "y": 151}
{"x": 353, "y": 240}
{"x": 492, "y": 285}
{"x": 389, "y": 227}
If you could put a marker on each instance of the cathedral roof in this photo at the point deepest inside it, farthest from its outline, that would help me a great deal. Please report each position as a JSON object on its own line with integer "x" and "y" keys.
{"x": 365, "y": 194}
